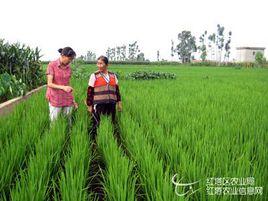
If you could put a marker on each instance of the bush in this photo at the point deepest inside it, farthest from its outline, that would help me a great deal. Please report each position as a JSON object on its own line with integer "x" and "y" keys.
{"x": 260, "y": 59}
{"x": 23, "y": 62}
{"x": 80, "y": 72}
{"x": 20, "y": 69}
{"x": 10, "y": 87}
{"x": 147, "y": 75}
{"x": 120, "y": 75}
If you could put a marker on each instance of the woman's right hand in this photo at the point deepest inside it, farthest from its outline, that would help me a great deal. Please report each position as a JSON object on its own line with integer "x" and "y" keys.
{"x": 90, "y": 108}
{"x": 68, "y": 89}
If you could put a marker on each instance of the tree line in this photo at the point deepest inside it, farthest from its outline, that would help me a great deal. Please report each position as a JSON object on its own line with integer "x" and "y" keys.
{"x": 215, "y": 47}
{"x": 130, "y": 52}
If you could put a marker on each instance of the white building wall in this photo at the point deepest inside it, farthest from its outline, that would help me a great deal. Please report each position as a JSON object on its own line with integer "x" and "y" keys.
{"x": 247, "y": 55}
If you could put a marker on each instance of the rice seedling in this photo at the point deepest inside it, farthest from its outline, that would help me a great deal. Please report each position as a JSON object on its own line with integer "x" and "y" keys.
{"x": 10, "y": 128}
{"x": 156, "y": 181}
{"x": 74, "y": 177}
{"x": 34, "y": 183}
{"x": 208, "y": 122}
{"x": 202, "y": 135}
{"x": 119, "y": 182}
{"x": 14, "y": 154}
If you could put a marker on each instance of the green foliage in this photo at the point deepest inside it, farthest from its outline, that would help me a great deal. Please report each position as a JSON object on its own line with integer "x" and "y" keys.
{"x": 196, "y": 128}
{"x": 148, "y": 75}
{"x": 120, "y": 75}
{"x": 120, "y": 53}
{"x": 11, "y": 87}
{"x": 34, "y": 183}
{"x": 18, "y": 143}
{"x": 90, "y": 56}
{"x": 202, "y": 47}
{"x": 260, "y": 59}
{"x": 22, "y": 62}
{"x": 186, "y": 46}
{"x": 78, "y": 62}
{"x": 119, "y": 183}
{"x": 151, "y": 167}
{"x": 235, "y": 65}
{"x": 73, "y": 178}
{"x": 219, "y": 44}
{"x": 80, "y": 72}
{"x": 191, "y": 123}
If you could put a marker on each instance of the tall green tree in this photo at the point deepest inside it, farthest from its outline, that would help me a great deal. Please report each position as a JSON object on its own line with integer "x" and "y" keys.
{"x": 120, "y": 53}
{"x": 219, "y": 44}
{"x": 186, "y": 46}
{"x": 203, "y": 47}
{"x": 220, "y": 41}
{"x": 123, "y": 53}
{"x": 141, "y": 57}
{"x": 90, "y": 56}
{"x": 108, "y": 53}
{"x": 227, "y": 47}
{"x": 212, "y": 46}
{"x": 172, "y": 48}
{"x": 133, "y": 51}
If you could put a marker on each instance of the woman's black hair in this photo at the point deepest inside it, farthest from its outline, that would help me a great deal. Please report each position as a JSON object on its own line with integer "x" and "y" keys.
{"x": 67, "y": 51}
{"x": 104, "y": 59}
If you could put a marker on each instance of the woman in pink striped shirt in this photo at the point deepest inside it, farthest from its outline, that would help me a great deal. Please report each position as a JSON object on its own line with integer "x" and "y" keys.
{"x": 59, "y": 92}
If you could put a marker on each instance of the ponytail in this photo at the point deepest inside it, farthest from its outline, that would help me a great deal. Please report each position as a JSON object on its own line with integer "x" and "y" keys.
{"x": 67, "y": 51}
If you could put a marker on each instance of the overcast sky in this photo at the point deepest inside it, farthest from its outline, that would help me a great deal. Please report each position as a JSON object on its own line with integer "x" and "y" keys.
{"x": 95, "y": 25}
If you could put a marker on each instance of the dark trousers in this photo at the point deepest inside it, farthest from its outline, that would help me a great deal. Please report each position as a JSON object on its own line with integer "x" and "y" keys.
{"x": 101, "y": 109}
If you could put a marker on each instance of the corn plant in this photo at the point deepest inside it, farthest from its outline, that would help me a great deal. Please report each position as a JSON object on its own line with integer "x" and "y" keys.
{"x": 21, "y": 62}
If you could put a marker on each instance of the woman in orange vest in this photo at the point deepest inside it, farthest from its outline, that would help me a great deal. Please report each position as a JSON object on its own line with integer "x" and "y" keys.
{"x": 102, "y": 94}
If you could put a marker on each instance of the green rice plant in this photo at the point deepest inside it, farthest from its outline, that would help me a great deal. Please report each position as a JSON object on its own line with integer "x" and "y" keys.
{"x": 156, "y": 181}
{"x": 10, "y": 128}
{"x": 73, "y": 179}
{"x": 9, "y": 124}
{"x": 212, "y": 122}
{"x": 14, "y": 155}
{"x": 119, "y": 179}
{"x": 34, "y": 183}
{"x": 199, "y": 135}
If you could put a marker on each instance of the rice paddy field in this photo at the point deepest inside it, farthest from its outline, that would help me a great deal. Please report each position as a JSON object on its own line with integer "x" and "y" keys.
{"x": 208, "y": 127}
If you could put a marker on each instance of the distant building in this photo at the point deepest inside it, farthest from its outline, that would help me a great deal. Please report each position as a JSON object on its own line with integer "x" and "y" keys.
{"x": 247, "y": 54}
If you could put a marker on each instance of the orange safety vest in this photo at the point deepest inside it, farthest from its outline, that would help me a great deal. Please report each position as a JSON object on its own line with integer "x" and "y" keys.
{"x": 104, "y": 91}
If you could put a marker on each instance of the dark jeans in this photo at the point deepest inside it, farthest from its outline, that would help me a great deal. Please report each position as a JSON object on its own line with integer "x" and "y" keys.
{"x": 101, "y": 109}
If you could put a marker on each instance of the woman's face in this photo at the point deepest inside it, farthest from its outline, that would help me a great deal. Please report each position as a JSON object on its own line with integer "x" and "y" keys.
{"x": 66, "y": 60}
{"x": 101, "y": 65}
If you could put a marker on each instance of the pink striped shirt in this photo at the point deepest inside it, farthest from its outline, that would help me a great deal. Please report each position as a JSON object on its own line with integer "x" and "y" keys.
{"x": 61, "y": 76}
